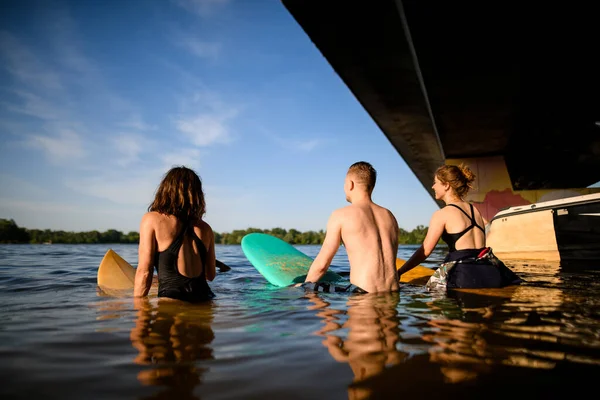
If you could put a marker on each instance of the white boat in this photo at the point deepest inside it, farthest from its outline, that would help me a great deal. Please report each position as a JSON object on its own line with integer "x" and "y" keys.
{"x": 565, "y": 230}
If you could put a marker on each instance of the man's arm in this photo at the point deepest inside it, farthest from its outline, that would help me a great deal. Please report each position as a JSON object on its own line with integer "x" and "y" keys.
{"x": 146, "y": 250}
{"x": 330, "y": 246}
{"x": 434, "y": 232}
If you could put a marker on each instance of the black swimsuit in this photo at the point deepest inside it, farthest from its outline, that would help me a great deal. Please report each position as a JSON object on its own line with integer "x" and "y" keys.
{"x": 452, "y": 238}
{"x": 174, "y": 285}
{"x": 470, "y": 270}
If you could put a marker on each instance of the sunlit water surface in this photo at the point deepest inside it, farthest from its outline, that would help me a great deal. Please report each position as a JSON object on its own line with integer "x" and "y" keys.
{"x": 62, "y": 338}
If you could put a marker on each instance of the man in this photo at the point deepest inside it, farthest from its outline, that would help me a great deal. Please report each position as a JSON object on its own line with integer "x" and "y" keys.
{"x": 368, "y": 231}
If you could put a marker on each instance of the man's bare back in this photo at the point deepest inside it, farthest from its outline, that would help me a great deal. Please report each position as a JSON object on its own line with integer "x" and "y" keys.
{"x": 368, "y": 231}
{"x": 370, "y": 235}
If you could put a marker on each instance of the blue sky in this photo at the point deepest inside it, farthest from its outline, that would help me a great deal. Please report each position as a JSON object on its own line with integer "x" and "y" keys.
{"x": 98, "y": 99}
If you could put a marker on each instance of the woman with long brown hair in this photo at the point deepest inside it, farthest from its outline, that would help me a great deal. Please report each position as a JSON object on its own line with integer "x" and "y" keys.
{"x": 175, "y": 239}
{"x": 469, "y": 263}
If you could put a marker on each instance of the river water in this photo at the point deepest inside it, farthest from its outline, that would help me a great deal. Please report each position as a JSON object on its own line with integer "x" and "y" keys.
{"x": 62, "y": 338}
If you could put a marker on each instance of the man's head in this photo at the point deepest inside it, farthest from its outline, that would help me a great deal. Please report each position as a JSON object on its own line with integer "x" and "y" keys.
{"x": 360, "y": 178}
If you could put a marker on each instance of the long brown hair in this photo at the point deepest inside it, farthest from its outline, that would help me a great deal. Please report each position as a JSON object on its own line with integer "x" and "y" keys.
{"x": 180, "y": 194}
{"x": 459, "y": 177}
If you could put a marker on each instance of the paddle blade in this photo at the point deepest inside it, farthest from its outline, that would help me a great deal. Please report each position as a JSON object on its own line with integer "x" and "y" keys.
{"x": 419, "y": 275}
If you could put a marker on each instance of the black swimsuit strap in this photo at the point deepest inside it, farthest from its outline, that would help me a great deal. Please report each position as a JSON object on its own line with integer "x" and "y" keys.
{"x": 176, "y": 243}
{"x": 471, "y": 217}
{"x": 463, "y": 211}
{"x": 203, "y": 251}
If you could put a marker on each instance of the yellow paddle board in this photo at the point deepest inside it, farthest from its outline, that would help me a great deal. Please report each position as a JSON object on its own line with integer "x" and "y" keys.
{"x": 419, "y": 275}
{"x": 114, "y": 273}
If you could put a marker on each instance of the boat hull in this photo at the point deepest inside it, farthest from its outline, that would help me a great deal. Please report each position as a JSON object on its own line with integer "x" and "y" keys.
{"x": 565, "y": 230}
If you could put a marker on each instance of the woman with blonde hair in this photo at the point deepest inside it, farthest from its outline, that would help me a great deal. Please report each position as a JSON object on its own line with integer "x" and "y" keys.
{"x": 175, "y": 239}
{"x": 469, "y": 263}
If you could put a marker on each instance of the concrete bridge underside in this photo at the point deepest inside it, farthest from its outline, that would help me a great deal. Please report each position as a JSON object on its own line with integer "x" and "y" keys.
{"x": 457, "y": 80}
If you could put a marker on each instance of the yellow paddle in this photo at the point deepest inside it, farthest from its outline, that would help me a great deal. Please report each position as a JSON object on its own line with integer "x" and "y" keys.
{"x": 419, "y": 275}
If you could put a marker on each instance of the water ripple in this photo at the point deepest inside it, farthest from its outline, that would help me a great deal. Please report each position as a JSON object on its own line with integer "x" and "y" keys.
{"x": 62, "y": 336}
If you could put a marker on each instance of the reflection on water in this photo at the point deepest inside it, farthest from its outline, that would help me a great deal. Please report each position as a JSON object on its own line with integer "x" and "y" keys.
{"x": 364, "y": 335}
{"x": 474, "y": 337}
{"x": 61, "y": 338}
{"x": 172, "y": 338}
{"x": 524, "y": 326}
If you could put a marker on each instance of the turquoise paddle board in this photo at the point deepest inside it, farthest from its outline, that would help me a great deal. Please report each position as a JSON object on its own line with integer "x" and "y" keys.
{"x": 278, "y": 261}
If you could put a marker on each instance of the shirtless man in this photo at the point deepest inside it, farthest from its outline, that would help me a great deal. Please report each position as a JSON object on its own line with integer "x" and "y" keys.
{"x": 368, "y": 231}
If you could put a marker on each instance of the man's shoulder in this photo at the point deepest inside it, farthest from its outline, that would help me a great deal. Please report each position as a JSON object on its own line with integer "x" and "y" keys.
{"x": 341, "y": 214}
{"x": 360, "y": 209}
{"x": 343, "y": 211}
{"x": 384, "y": 209}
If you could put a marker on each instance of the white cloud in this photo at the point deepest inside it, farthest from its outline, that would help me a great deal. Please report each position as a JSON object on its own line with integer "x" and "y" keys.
{"x": 129, "y": 147}
{"x": 67, "y": 41}
{"x": 307, "y": 145}
{"x": 290, "y": 143}
{"x": 199, "y": 48}
{"x": 226, "y": 206}
{"x": 70, "y": 216}
{"x": 187, "y": 157}
{"x": 205, "y": 119}
{"x": 202, "y": 8}
{"x": 10, "y": 127}
{"x": 136, "y": 122}
{"x": 137, "y": 186}
{"x": 187, "y": 79}
{"x": 131, "y": 189}
{"x": 24, "y": 65}
{"x": 63, "y": 148}
{"x": 15, "y": 188}
{"x": 38, "y": 207}
{"x": 47, "y": 82}
{"x": 77, "y": 68}
{"x": 205, "y": 129}
{"x": 35, "y": 106}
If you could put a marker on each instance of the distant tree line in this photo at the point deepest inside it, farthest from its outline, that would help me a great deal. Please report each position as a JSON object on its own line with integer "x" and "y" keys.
{"x": 10, "y": 232}
{"x": 292, "y": 236}
{"x": 416, "y": 236}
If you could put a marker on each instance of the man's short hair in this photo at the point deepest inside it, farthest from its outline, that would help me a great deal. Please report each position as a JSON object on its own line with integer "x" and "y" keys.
{"x": 364, "y": 173}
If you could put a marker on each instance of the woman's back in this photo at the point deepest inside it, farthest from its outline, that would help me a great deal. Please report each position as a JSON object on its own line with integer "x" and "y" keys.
{"x": 182, "y": 258}
{"x": 182, "y": 251}
{"x": 461, "y": 226}
{"x": 464, "y": 227}
{"x": 190, "y": 261}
